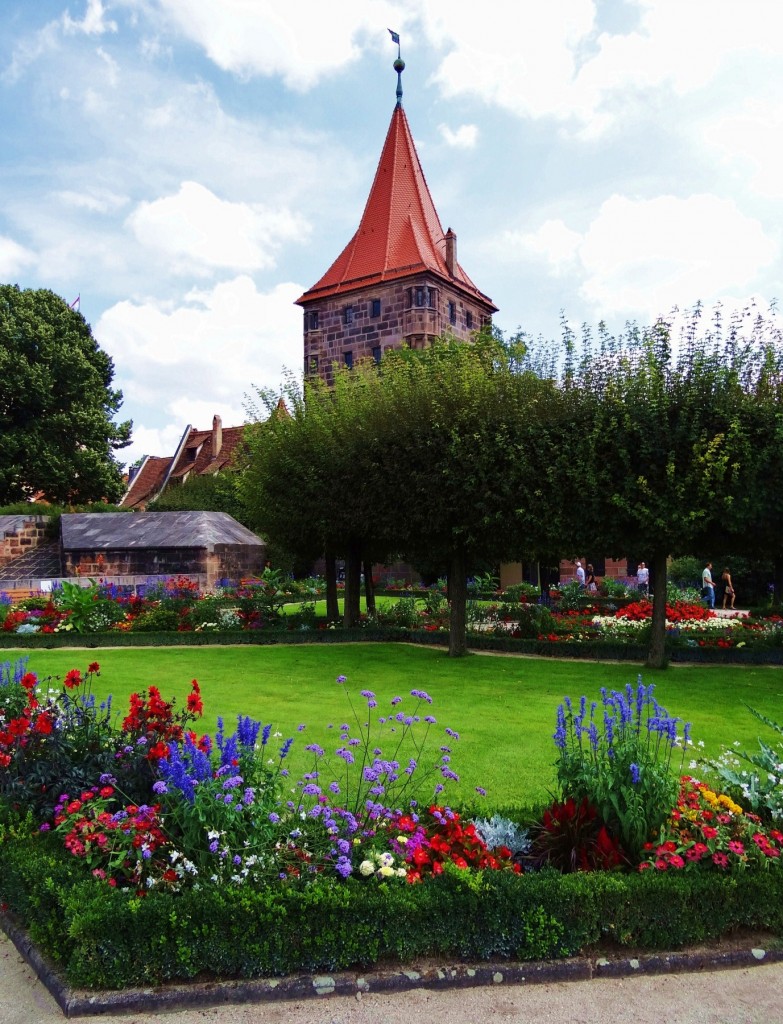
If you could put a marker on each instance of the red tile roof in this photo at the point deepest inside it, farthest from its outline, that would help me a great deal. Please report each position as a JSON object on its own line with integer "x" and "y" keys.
{"x": 194, "y": 455}
{"x": 400, "y": 233}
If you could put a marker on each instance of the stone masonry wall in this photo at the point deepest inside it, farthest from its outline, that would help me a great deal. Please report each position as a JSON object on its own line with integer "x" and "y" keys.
{"x": 399, "y": 320}
{"x": 24, "y": 538}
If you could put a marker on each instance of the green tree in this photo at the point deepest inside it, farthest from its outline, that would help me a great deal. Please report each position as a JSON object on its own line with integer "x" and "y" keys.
{"x": 438, "y": 454}
{"x": 659, "y": 447}
{"x": 57, "y": 433}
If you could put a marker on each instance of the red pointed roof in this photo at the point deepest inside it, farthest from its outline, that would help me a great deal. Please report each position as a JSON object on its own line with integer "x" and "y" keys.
{"x": 400, "y": 233}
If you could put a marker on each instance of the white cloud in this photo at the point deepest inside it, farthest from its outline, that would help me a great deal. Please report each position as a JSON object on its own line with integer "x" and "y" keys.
{"x": 205, "y": 351}
{"x": 649, "y": 255}
{"x": 298, "y": 40}
{"x": 551, "y": 60}
{"x": 747, "y": 140}
{"x": 553, "y": 240}
{"x": 196, "y": 226}
{"x": 13, "y": 257}
{"x": 96, "y": 200}
{"x": 465, "y": 137}
{"x": 93, "y": 23}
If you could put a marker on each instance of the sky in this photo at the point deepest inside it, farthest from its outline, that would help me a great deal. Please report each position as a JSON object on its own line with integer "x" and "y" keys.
{"x": 188, "y": 168}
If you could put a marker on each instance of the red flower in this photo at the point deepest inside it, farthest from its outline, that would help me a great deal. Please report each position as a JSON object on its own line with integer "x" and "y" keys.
{"x": 73, "y": 679}
{"x": 93, "y": 667}
{"x": 29, "y": 680}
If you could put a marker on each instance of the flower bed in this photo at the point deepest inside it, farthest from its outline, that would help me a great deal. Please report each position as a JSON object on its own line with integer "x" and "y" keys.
{"x": 167, "y": 853}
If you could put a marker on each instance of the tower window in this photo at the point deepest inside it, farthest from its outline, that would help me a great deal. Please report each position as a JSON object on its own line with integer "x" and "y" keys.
{"x": 311, "y": 365}
{"x": 376, "y": 353}
{"x": 469, "y": 320}
{"x": 452, "y": 312}
{"x": 311, "y": 320}
{"x": 375, "y": 309}
{"x": 348, "y": 315}
{"x": 348, "y": 358}
{"x": 422, "y": 296}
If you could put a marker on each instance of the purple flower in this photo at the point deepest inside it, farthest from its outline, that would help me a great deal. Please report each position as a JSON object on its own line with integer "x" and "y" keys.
{"x": 450, "y": 732}
{"x": 249, "y": 795}
{"x": 45, "y": 827}
{"x": 634, "y": 769}
{"x": 367, "y": 693}
{"x": 395, "y": 701}
{"x": 343, "y": 867}
{"x": 315, "y": 749}
{"x": 311, "y": 789}
{"x": 160, "y": 787}
{"x": 429, "y": 720}
{"x": 301, "y": 728}
{"x": 342, "y": 679}
{"x": 481, "y": 791}
{"x": 237, "y": 859}
{"x": 274, "y": 817}
{"x": 213, "y": 846}
{"x": 334, "y": 787}
{"x": 422, "y": 695}
{"x": 286, "y": 747}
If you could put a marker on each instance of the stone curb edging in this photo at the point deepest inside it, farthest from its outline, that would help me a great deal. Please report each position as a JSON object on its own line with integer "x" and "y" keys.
{"x": 76, "y": 1002}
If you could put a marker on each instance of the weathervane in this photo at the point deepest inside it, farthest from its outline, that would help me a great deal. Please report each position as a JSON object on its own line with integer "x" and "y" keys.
{"x": 399, "y": 66}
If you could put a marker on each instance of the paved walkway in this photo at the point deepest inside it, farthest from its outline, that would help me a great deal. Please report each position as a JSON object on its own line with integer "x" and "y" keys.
{"x": 745, "y": 996}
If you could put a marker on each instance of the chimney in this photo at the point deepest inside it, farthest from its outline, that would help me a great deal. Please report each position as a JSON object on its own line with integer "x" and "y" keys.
{"x": 451, "y": 252}
{"x": 217, "y": 436}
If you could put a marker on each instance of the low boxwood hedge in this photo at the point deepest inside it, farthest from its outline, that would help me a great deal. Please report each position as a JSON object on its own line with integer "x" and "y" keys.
{"x": 105, "y": 938}
{"x": 593, "y": 650}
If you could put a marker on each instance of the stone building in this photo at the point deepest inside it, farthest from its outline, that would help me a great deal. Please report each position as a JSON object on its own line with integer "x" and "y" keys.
{"x": 398, "y": 281}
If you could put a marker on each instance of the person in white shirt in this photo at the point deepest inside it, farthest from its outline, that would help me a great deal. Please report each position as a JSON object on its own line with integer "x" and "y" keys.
{"x": 643, "y": 579}
{"x": 707, "y": 586}
{"x": 580, "y": 575}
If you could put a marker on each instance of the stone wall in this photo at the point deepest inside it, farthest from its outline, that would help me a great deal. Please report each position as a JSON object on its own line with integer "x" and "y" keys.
{"x": 227, "y": 561}
{"x": 22, "y": 536}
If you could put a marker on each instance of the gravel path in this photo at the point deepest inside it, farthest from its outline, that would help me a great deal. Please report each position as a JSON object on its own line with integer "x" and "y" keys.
{"x": 744, "y": 996}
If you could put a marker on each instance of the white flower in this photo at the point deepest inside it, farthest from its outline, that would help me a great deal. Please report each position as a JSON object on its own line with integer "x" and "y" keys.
{"x": 402, "y": 840}
{"x": 214, "y": 835}
{"x": 385, "y": 871}
{"x": 385, "y": 860}
{"x": 366, "y": 868}
{"x": 402, "y": 872}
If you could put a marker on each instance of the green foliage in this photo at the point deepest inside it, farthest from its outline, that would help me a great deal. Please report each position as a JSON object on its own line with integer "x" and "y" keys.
{"x": 116, "y": 941}
{"x": 57, "y": 433}
{"x": 759, "y": 787}
{"x": 80, "y": 602}
{"x": 686, "y": 571}
{"x": 212, "y": 492}
{"x": 525, "y": 620}
{"x": 621, "y": 762}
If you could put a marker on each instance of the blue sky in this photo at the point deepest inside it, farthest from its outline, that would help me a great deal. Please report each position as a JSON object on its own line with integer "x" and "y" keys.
{"x": 190, "y": 167}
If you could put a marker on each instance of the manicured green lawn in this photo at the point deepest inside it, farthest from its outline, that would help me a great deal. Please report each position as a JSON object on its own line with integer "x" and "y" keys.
{"x": 502, "y": 706}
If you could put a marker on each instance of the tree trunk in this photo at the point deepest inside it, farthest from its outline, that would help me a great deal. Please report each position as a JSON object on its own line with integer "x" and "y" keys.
{"x": 369, "y": 589}
{"x": 656, "y": 656}
{"x": 353, "y": 595}
{"x": 458, "y": 598}
{"x": 332, "y": 607}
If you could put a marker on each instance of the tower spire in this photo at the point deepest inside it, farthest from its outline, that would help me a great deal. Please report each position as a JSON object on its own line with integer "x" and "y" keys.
{"x": 399, "y": 65}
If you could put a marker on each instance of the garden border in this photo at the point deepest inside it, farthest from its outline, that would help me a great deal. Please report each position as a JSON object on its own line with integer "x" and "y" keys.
{"x": 440, "y": 976}
{"x": 593, "y": 650}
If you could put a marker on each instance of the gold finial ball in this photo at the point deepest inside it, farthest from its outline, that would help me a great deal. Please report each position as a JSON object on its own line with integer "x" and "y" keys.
{"x": 399, "y": 65}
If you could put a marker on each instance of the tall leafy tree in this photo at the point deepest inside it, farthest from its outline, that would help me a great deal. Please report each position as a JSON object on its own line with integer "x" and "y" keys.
{"x": 438, "y": 454}
{"x": 658, "y": 445}
{"x": 57, "y": 406}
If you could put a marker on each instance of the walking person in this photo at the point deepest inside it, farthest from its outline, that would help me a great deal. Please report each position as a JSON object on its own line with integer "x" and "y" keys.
{"x": 590, "y": 582}
{"x": 728, "y": 588}
{"x": 580, "y": 575}
{"x": 707, "y": 586}
{"x": 643, "y": 579}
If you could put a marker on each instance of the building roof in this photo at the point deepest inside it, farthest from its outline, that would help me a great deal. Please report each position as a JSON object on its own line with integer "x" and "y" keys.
{"x": 400, "y": 233}
{"x": 113, "y": 531}
{"x": 199, "y": 452}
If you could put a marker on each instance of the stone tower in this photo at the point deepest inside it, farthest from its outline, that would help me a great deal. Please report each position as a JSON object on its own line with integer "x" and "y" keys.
{"x": 398, "y": 281}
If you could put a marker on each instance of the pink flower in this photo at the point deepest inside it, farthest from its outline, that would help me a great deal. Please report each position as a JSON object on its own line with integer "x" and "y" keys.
{"x": 735, "y": 846}
{"x": 720, "y": 859}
